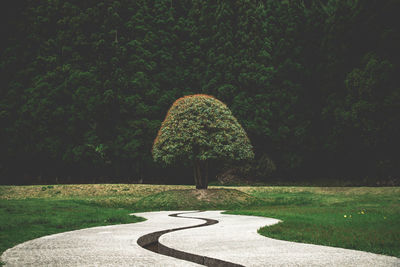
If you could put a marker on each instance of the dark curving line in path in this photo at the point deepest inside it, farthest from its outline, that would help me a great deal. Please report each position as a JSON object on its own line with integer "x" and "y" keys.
{"x": 150, "y": 242}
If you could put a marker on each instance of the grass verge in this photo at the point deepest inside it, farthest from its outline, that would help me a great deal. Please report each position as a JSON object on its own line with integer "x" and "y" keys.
{"x": 27, "y": 219}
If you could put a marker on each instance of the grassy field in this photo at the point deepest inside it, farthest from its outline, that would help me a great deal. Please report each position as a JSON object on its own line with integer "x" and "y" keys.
{"x": 365, "y": 219}
{"x": 359, "y": 218}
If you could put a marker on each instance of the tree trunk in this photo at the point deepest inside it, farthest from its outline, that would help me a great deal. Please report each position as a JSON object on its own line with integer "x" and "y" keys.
{"x": 196, "y": 179}
{"x": 206, "y": 174}
{"x": 200, "y": 171}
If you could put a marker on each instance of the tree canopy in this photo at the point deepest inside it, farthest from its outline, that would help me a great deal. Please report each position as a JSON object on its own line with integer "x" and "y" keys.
{"x": 200, "y": 128}
{"x": 84, "y": 85}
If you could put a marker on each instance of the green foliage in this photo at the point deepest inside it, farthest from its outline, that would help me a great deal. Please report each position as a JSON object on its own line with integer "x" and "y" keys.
{"x": 200, "y": 127}
{"x": 262, "y": 167}
{"x": 84, "y": 84}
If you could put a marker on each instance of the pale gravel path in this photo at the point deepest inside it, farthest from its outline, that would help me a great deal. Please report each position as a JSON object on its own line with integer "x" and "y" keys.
{"x": 99, "y": 246}
{"x": 233, "y": 239}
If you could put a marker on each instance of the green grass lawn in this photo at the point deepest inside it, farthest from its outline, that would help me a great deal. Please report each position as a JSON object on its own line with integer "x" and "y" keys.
{"x": 359, "y": 218}
{"x": 366, "y": 220}
{"x": 22, "y": 220}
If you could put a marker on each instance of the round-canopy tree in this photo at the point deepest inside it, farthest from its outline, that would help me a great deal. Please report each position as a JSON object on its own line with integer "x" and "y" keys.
{"x": 200, "y": 128}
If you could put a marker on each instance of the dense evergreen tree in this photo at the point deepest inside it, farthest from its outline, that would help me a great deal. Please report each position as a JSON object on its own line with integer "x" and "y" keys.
{"x": 84, "y": 85}
{"x": 200, "y": 128}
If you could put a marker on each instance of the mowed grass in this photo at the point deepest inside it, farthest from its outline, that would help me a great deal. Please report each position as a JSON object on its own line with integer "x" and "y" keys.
{"x": 192, "y": 199}
{"x": 23, "y": 220}
{"x": 361, "y": 218}
{"x": 28, "y": 212}
{"x": 366, "y": 219}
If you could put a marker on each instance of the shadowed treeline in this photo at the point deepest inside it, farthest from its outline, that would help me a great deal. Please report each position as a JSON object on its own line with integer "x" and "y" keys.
{"x": 85, "y": 85}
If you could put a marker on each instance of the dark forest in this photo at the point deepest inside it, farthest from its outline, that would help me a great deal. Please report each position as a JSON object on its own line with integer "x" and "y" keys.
{"x": 85, "y": 85}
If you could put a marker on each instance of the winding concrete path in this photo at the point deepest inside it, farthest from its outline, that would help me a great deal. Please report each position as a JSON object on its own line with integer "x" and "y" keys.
{"x": 114, "y": 245}
{"x": 233, "y": 239}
